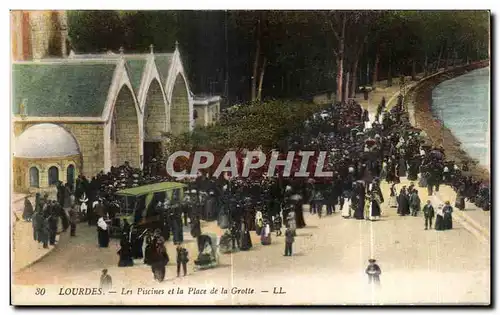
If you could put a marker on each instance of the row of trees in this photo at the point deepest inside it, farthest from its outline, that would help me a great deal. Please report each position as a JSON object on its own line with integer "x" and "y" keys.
{"x": 249, "y": 55}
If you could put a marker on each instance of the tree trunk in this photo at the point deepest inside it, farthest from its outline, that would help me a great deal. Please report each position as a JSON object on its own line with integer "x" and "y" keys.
{"x": 340, "y": 77}
{"x": 346, "y": 93}
{"x": 375, "y": 67}
{"x": 447, "y": 60}
{"x": 439, "y": 58}
{"x": 426, "y": 64}
{"x": 261, "y": 79}
{"x": 340, "y": 60}
{"x": 354, "y": 81}
{"x": 414, "y": 70}
{"x": 389, "y": 71}
{"x": 256, "y": 64}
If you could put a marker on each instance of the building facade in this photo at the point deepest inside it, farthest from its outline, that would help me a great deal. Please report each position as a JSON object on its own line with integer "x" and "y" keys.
{"x": 38, "y": 34}
{"x": 117, "y": 107}
{"x": 81, "y": 114}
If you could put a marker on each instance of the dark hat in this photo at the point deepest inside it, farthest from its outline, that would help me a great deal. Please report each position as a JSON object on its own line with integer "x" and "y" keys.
{"x": 371, "y": 260}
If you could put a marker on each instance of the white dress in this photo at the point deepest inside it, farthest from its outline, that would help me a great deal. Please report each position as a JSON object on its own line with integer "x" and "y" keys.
{"x": 346, "y": 209}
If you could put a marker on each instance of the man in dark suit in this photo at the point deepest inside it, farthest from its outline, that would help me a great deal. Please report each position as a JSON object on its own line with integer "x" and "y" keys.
{"x": 289, "y": 239}
{"x": 428, "y": 211}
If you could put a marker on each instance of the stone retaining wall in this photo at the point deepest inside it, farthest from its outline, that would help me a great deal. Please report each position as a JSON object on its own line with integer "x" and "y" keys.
{"x": 419, "y": 107}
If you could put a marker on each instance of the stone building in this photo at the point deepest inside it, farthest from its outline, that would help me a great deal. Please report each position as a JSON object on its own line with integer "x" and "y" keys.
{"x": 86, "y": 113}
{"x": 206, "y": 110}
{"x": 38, "y": 34}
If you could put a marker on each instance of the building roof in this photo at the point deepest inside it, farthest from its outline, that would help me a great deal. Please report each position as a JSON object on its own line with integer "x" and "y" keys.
{"x": 135, "y": 67}
{"x": 65, "y": 89}
{"x": 77, "y": 86}
{"x": 44, "y": 141}
{"x": 163, "y": 62}
{"x": 206, "y": 100}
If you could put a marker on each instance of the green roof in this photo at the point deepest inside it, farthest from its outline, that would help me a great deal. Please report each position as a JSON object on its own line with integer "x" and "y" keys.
{"x": 135, "y": 69}
{"x": 147, "y": 189}
{"x": 163, "y": 62}
{"x": 61, "y": 89}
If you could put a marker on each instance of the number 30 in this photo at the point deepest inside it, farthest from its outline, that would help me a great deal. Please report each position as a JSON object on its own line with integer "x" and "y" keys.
{"x": 40, "y": 291}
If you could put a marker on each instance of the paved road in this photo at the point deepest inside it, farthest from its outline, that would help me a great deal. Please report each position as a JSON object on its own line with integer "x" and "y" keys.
{"x": 330, "y": 256}
{"x": 418, "y": 266}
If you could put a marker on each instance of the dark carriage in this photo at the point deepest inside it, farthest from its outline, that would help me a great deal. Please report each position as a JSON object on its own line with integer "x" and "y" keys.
{"x": 139, "y": 205}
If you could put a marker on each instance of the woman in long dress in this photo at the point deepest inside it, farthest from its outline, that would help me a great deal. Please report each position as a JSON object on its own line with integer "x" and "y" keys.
{"x": 265, "y": 238}
{"x": 374, "y": 207}
{"x": 346, "y": 207}
{"x": 28, "y": 210}
{"x": 299, "y": 215}
{"x": 137, "y": 242}
{"x": 102, "y": 233}
{"x": 360, "y": 202}
{"x": 447, "y": 218}
{"x": 403, "y": 202}
{"x": 259, "y": 223}
{"x": 439, "y": 224}
{"x": 125, "y": 253}
{"x": 246, "y": 240}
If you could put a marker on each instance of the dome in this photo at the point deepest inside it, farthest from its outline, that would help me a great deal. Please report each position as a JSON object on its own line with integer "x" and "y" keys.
{"x": 45, "y": 140}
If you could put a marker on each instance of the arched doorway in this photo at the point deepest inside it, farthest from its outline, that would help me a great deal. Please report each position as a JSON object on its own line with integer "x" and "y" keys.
{"x": 179, "y": 109}
{"x": 124, "y": 133}
{"x": 155, "y": 122}
{"x": 34, "y": 177}
{"x": 70, "y": 175}
{"x": 53, "y": 175}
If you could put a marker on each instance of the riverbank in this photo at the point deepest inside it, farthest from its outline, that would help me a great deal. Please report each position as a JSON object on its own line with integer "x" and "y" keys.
{"x": 437, "y": 133}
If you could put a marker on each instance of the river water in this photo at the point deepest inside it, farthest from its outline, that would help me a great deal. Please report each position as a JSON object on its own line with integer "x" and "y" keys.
{"x": 463, "y": 104}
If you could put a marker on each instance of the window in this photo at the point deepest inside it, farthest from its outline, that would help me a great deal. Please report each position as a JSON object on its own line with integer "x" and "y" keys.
{"x": 53, "y": 175}
{"x": 70, "y": 174}
{"x": 34, "y": 177}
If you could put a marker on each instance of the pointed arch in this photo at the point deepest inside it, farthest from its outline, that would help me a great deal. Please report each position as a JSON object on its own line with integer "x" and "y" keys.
{"x": 124, "y": 132}
{"x": 155, "y": 112}
{"x": 180, "y": 111}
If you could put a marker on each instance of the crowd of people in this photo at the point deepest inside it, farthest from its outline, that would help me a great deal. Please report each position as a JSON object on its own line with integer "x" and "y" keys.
{"x": 362, "y": 154}
{"x": 45, "y": 217}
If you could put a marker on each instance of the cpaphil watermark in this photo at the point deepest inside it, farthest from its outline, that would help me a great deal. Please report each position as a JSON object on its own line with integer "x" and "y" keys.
{"x": 238, "y": 164}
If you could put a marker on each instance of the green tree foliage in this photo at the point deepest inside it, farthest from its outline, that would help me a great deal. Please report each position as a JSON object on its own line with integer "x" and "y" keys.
{"x": 249, "y": 127}
{"x": 96, "y": 31}
{"x": 296, "y": 53}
